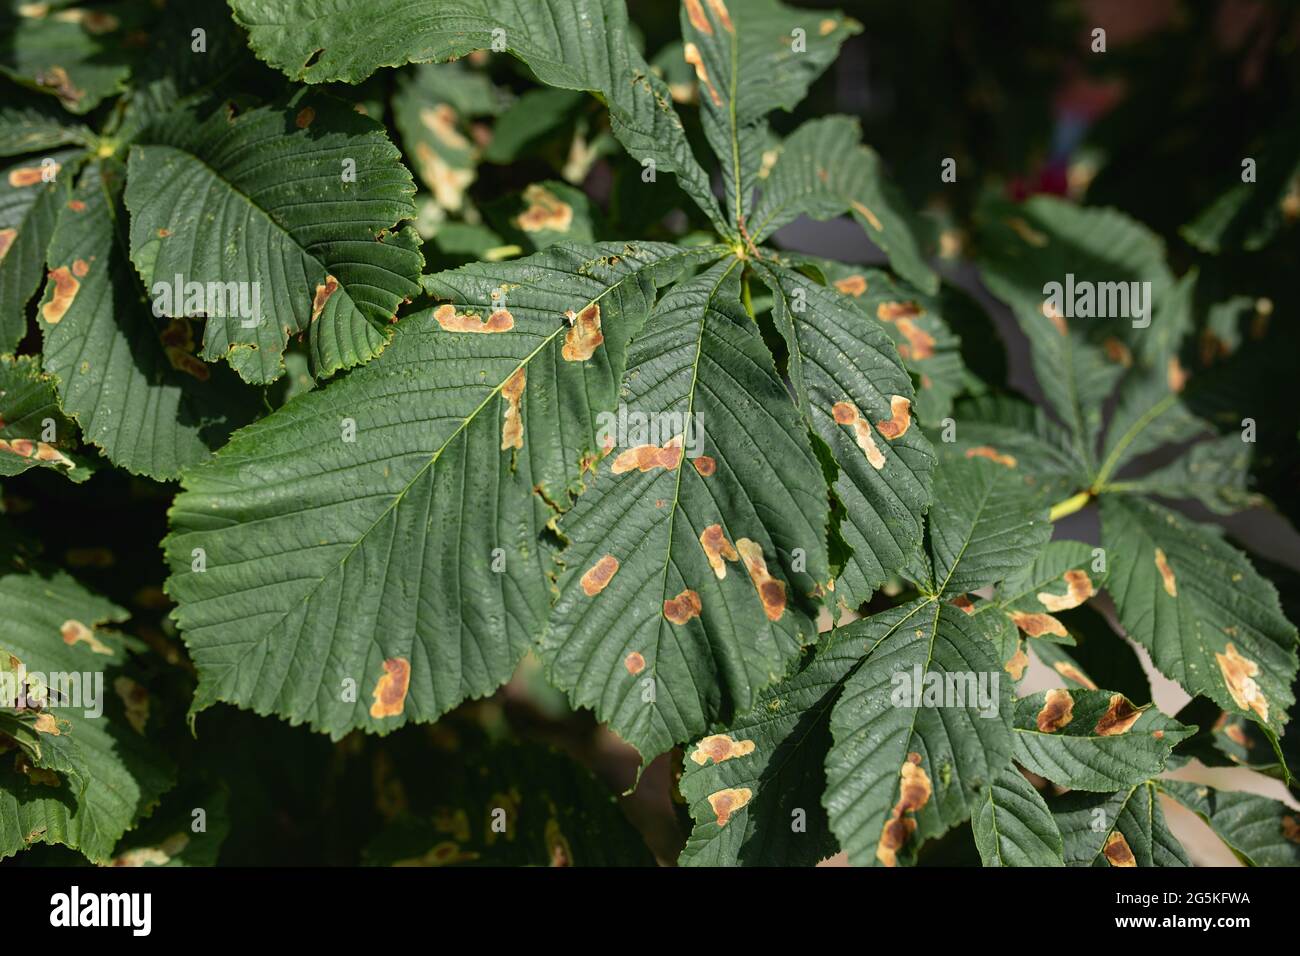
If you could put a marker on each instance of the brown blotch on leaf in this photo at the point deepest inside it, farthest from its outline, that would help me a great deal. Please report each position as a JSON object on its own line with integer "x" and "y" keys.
{"x": 726, "y": 802}
{"x": 1017, "y": 664}
{"x": 65, "y": 290}
{"x": 1176, "y": 375}
{"x": 304, "y": 117}
{"x": 322, "y": 296}
{"x": 682, "y": 608}
{"x": 992, "y": 454}
{"x": 692, "y": 54}
{"x": 28, "y": 175}
{"x": 7, "y": 237}
{"x": 914, "y": 792}
{"x": 846, "y": 413}
{"x": 770, "y": 591}
{"x": 1117, "y": 352}
{"x": 634, "y": 662}
{"x": 893, "y": 311}
{"x": 1117, "y": 850}
{"x": 76, "y": 205}
{"x": 1036, "y": 625}
{"x": 390, "y": 690}
{"x": 645, "y": 458}
{"x": 1120, "y": 716}
{"x": 74, "y": 632}
{"x": 963, "y": 603}
{"x": 1026, "y": 232}
{"x": 1070, "y": 672}
{"x": 599, "y": 575}
{"x": 512, "y": 426}
{"x": 827, "y": 27}
{"x": 695, "y": 13}
{"x": 854, "y": 285}
{"x": 56, "y": 78}
{"x": 720, "y": 747}
{"x": 36, "y": 775}
{"x": 900, "y": 410}
{"x": 1166, "y": 574}
{"x": 705, "y": 465}
{"x": 919, "y": 344}
{"x": 1079, "y": 589}
{"x": 47, "y": 724}
{"x": 1239, "y": 674}
{"x": 441, "y": 121}
{"x": 544, "y": 211}
{"x": 135, "y": 699}
{"x": 1291, "y": 829}
{"x": 584, "y": 335}
{"x": 720, "y": 11}
{"x": 164, "y": 232}
{"x": 1237, "y": 734}
{"x": 452, "y": 321}
{"x": 869, "y": 216}
{"x": 718, "y": 550}
{"x": 1057, "y": 711}
{"x": 80, "y": 267}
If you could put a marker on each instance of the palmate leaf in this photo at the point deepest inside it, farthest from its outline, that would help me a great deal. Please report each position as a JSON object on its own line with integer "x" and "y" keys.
{"x": 773, "y": 760}
{"x": 1013, "y": 826}
{"x": 52, "y": 629}
{"x": 28, "y": 406}
{"x": 856, "y": 396}
{"x": 1125, "y": 828}
{"x": 1210, "y": 621}
{"x": 822, "y": 170}
{"x": 573, "y": 44}
{"x": 750, "y": 59}
{"x": 1093, "y": 739}
{"x": 1260, "y": 831}
{"x": 129, "y": 379}
{"x": 914, "y": 744}
{"x": 299, "y": 204}
{"x": 729, "y": 543}
{"x": 399, "y": 489}
{"x": 29, "y": 208}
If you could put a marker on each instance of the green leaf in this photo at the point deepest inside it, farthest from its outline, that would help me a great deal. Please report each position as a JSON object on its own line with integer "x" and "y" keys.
{"x": 906, "y": 764}
{"x": 854, "y": 394}
{"x": 1013, "y": 826}
{"x": 1126, "y": 828}
{"x": 1215, "y": 472}
{"x": 822, "y": 170}
{"x": 293, "y": 217}
{"x": 983, "y": 527}
{"x": 398, "y": 490}
{"x": 29, "y": 208}
{"x": 543, "y": 214}
{"x": 1093, "y": 739}
{"x": 51, "y": 629}
{"x": 37, "y": 127}
{"x": 573, "y": 44}
{"x": 169, "y": 837}
{"x": 128, "y": 378}
{"x": 1249, "y": 215}
{"x": 75, "y": 54}
{"x": 753, "y": 59}
{"x": 773, "y": 759}
{"x": 1260, "y": 831}
{"x": 1098, "y": 657}
{"x": 1210, "y": 621}
{"x": 27, "y": 407}
{"x": 745, "y": 470}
